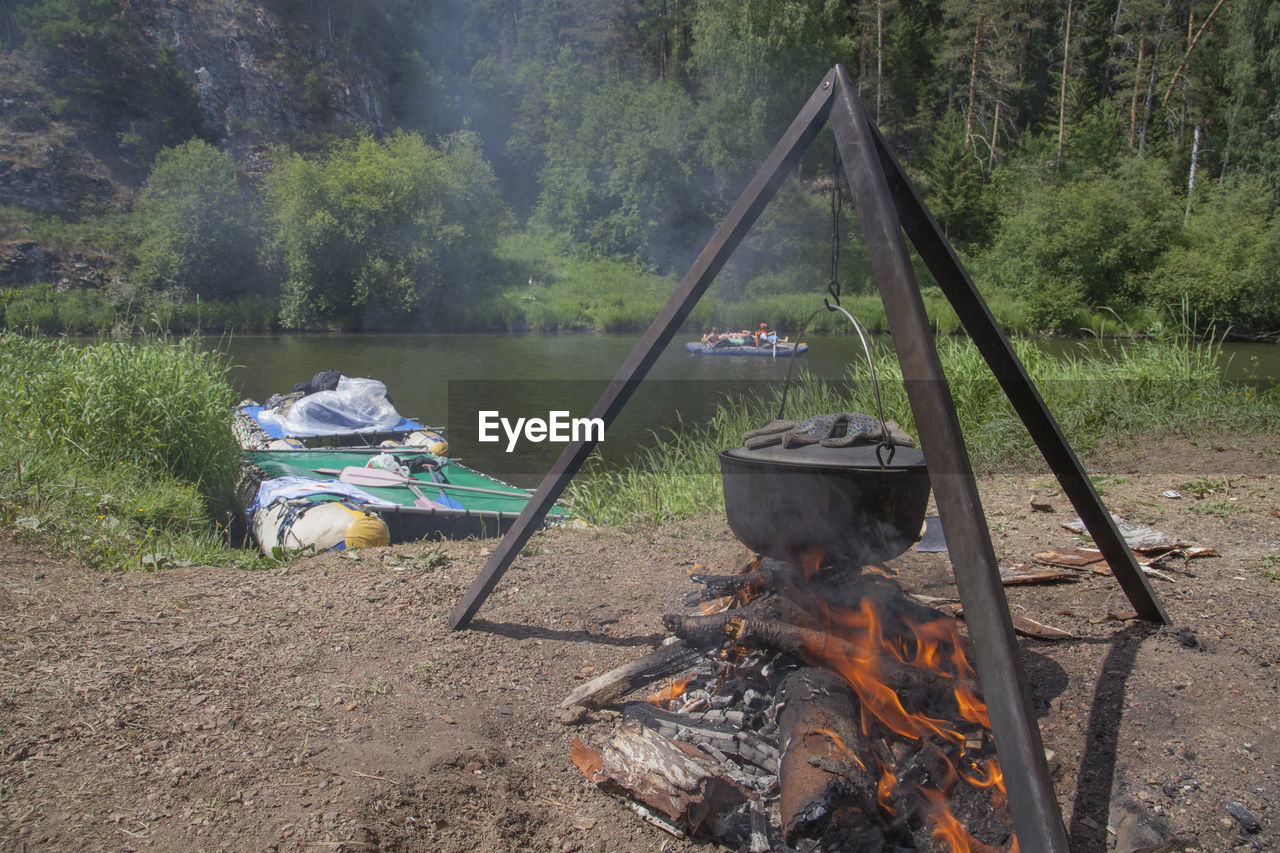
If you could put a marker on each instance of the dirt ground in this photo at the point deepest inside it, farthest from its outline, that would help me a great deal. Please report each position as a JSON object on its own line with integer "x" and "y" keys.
{"x": 327, "y": 705}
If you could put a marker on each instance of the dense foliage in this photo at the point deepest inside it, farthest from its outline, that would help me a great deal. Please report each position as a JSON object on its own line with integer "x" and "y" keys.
{"x": 198, "y": 227}
{"x": 1083, "y": 156}
{"x": 108, "y": 75}
{"x": 119, "y": 451}
{"x": 373, "y": 232}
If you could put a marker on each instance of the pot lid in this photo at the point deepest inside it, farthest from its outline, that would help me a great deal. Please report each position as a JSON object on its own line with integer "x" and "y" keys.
{"x": 860, "y": 455}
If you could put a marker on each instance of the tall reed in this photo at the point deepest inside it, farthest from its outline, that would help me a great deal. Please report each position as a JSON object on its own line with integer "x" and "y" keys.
{"x": 1171, "y": 386}
{"x": 115, "y": 447}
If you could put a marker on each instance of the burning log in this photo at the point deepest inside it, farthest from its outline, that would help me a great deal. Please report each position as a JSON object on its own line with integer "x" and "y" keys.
{"x": 677, "y": 780}
{"x": 613, "y": 685}
{"x": 825, "y": 788}
{"x": 757, "y": 580}
{"x": 708, "y": 632}
{"x": 955, "y": 791}
{"x": 917, "y": 689}
{"x": 762, "y": 574}
{"x": 832, "y": 590}
{"x": 877, "y": 742}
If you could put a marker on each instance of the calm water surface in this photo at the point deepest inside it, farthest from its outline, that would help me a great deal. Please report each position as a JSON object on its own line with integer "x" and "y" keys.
{"x": 529, "y": 375}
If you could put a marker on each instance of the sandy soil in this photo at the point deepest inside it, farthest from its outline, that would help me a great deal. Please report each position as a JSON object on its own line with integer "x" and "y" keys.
{"x": 327, "y": 705}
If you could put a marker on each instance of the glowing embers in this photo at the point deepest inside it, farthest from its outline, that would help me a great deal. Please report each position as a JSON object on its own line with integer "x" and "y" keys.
{"x": 845, "y": 709}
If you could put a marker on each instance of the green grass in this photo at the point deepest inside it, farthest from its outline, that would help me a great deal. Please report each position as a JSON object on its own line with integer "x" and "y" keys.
{"x": 1102, "y": 483}
{"x": 1271, "y": 566}
{"x": 117, "y": 452}
{"x": 40, "y": 308}
{"x": 1219, "y": 509}
{"x": 1202, "y": 486}
{"x": 550, "y": 289}
{"x": 104, "y": 233}
{"x": 1160, "y": 387}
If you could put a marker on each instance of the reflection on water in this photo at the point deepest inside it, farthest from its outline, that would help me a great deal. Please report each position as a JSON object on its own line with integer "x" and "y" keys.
{"x": 531, "y": 375}
{"x": 516, "y": 375}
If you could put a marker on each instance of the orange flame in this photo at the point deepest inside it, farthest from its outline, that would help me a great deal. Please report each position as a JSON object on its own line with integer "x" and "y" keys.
{"x": 674, "y": 690}
{"x": 866, "y": 637}
{"x": 857, "y": 644}
{"x": 885, "y": 787}
{"x": 853, "y": 645}
{"x": 811, "y": 561}
{"x": 842, "y": 747}
{"x": 987, "y": 774}
{"x": 948, "y": 830}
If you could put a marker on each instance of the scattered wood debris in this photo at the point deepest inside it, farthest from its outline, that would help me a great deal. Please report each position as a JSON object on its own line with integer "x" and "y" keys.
{"x": 1145, "y": 540}
{"x": 1023, "y": 574}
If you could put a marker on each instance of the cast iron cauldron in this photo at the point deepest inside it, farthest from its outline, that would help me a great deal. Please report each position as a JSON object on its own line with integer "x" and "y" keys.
{"x": 859, "y": 504}
{"x": 784, "y": 502}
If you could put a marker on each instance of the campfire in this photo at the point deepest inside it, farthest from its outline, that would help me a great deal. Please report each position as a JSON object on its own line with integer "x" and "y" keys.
{"x": 809, "y": 707}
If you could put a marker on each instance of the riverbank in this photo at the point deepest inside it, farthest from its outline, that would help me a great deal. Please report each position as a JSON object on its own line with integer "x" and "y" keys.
{"x": 540, "y": 286}
{"x": 1139, "y": 392}
{"x": 119, "y": 453}
{"x": 327, "y": 703}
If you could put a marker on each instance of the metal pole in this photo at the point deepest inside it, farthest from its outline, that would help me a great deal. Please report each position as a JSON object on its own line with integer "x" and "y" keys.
{"x": 753, "y": 200}
{"x": 1032, "y": 801}
{"x": 936, "y": 251}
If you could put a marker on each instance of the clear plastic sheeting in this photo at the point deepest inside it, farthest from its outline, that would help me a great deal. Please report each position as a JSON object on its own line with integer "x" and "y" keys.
{"x": 356, "y": 405}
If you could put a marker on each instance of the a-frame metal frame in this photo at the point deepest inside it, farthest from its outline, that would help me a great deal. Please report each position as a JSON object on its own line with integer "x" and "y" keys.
{"x": 887, "y": 204}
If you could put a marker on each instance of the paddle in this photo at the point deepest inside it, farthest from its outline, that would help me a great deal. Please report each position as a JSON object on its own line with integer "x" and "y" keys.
{"x": 422, "y": 501}
{"x": 377, "y": 477}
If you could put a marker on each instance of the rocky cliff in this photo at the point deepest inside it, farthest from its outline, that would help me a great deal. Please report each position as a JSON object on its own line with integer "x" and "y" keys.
{"x": 260, "y": 79}
{"x": 257, "y": 75}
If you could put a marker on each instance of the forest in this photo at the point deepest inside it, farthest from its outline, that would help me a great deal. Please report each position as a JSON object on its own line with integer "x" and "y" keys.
{"x": 557, "y": 164}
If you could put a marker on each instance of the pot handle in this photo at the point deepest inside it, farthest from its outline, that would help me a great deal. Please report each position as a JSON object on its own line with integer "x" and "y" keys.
{"x": 886, "y": 449}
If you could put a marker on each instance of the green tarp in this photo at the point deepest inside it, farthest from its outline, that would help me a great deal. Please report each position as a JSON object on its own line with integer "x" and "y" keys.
{"x": 303, "y": 463}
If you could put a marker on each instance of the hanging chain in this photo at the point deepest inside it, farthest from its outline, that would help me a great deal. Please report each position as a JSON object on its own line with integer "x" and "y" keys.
{"x": 833, "y": 286}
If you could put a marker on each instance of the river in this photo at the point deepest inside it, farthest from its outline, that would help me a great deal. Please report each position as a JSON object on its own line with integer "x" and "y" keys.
{"x": 428, "y": 376}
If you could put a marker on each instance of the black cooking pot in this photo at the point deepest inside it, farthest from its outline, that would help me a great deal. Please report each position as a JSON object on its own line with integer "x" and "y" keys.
{"x": 784, "y": 502}
{"x": 859, "y": 504}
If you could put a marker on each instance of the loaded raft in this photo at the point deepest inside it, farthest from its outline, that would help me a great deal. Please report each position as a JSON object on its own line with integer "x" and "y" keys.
{"x": 337, "y": 467}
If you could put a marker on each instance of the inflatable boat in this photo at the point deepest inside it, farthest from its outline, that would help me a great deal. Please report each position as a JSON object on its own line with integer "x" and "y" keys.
{"x": 724, "y": 347}
{"x": 326, "y": 498}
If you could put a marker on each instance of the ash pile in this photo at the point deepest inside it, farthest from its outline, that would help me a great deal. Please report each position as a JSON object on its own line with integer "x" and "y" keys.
{"x": 809, "y": 708}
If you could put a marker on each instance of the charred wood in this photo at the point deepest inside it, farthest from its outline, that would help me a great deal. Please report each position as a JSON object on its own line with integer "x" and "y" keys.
{"x": 964, "y": 784}
{"x": 918, "y": 689}
{"x": 833, "y": 590}
{"x": 763, "y": 574}
{"x": 679, "y": 781}
{"x": 610, "y": 687}
{"x": 720, "y": 586}
{"x": 725, "y": 736}
{"x": 708, "y": 632}
{"x": 825, "y": 788}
